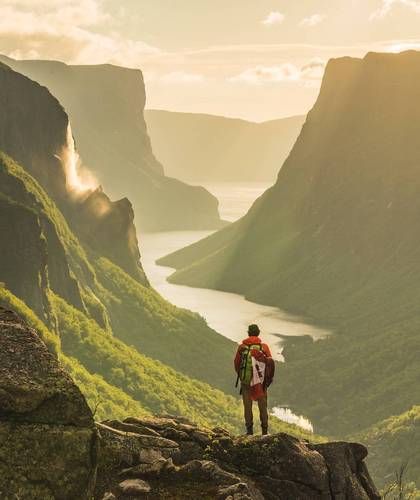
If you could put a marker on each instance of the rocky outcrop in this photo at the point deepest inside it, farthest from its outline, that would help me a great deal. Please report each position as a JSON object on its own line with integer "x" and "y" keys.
{"x": 50, "y": 447}
{"x": 105, "y": 104}
{"x": 99, "y": 221}
{"x": 170, "y": 457}
{"x": 35, "y": 131}
{"x": 47, "y": 436}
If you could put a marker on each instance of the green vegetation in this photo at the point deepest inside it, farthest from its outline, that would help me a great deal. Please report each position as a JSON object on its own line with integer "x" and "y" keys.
{"x": 179, "y": 338}
{"x": 119, "y": 382}
{"x": 112, "y": 402}
{"x": 400, "y": 488}
{"x": 10, "y": 301}
{"x": 107, "y": 345}
{"x": 157, "y": 387}
{"x": 24, "y": 189}
{"x": 394, "y": 444}
{"x": 135, "y": 313}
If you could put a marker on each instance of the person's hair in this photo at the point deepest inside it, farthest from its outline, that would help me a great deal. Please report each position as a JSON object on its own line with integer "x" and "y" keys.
{"x": 253, "y": 330}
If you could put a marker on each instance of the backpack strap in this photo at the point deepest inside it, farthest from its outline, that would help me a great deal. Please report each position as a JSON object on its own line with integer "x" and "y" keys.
{"x": 244, "y": 356}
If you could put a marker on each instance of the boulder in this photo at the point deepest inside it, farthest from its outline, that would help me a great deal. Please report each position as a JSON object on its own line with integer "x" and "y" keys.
{"x": 48, "y": 440}
{"x": 134, "y": 487}
{"x": 122, "y": 451}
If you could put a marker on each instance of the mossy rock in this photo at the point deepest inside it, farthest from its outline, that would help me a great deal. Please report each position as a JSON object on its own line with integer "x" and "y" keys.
{"x": 33, "y": 386}
{"x": 40, "y": 461}
{"x": 48, "y": 441}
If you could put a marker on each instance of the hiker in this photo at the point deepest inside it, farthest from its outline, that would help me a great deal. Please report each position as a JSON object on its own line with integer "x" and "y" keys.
{"x": 255, "y": 369}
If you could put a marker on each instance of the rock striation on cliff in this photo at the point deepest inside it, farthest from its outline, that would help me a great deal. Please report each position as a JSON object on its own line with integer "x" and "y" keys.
{"x": 48, "y": 441}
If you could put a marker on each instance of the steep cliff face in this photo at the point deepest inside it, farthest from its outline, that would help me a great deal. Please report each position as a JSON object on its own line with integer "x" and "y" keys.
{"x": 335, "y": 239}
{"x": 35, "y": 131}
{"x": 206, "y": 148}
{"x": 98, "y": 221}
{"x": 347, "y": 198}
{"x": 347, "y": 192}
{"x": 22, "y": 243}
{"x": 34, "y": 257}
{"x": 105, "y": 104}
{"x": 47, "y": 435}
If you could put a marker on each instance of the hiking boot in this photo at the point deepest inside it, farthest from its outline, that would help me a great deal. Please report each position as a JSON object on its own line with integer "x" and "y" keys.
{"x": 249, "y": 430}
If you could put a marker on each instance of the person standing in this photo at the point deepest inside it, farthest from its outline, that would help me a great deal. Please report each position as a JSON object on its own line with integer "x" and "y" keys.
{"x": 254, "y": 366}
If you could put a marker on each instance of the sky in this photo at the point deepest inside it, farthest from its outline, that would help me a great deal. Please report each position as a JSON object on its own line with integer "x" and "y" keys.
{"x": 253, "y": 59}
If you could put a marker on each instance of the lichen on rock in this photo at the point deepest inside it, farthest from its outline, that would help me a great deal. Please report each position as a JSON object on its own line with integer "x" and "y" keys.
{"x": 47, "y": 436}
{"x": 225, "y": 467}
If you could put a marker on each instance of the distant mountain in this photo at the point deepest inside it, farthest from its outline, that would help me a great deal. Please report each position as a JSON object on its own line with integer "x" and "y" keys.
{"x": 199, "y": 147}
{"x": 336, "y": 240}
{"x": 35, "y": 131}
{"x": 105, "y": 104}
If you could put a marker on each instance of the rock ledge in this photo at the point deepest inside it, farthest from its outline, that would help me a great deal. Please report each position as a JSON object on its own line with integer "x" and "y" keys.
{"x": 171, "y": 458}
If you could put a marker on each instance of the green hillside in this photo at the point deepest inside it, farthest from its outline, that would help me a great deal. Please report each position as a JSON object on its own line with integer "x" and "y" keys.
{"x": 111, "y": 343}
{"x": 134, "y": 311}
{"x": 392, "y": 443}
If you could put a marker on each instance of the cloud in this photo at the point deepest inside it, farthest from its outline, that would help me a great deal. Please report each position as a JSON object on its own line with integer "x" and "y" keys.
{"x": 267, "y": 74}
{"x": 286, "y": 72}
{"x": 313, "y": 20}
{"x": 182, "y": 77}
{"x": 388, "y": 5}
{"x": 312, "y": 72}
{"x": 63, "y": 12}
{"x": 65, "y": 30}
{"x": 401, "y": 46}
{"x": 272, "y": 18}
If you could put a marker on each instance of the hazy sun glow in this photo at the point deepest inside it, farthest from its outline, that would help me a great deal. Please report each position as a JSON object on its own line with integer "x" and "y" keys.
{"x": 402, "y": 46}
{"x": 257, "y": 64}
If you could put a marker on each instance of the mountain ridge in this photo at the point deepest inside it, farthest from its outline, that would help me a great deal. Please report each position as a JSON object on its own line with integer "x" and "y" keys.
{"x": 105, "y": 104}
{"x": 199, "y": 147}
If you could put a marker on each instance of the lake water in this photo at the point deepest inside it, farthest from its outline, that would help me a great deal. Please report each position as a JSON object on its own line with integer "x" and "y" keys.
{"x": 227, "y": 313}
{"x": 235, "y": 199}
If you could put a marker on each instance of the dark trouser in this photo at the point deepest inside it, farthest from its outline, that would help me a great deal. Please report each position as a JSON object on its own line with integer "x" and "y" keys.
{"x": 262, "y": 406}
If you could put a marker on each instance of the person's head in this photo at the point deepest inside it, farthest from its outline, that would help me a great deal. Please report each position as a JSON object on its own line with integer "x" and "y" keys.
{"x": 253, "y": 330}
